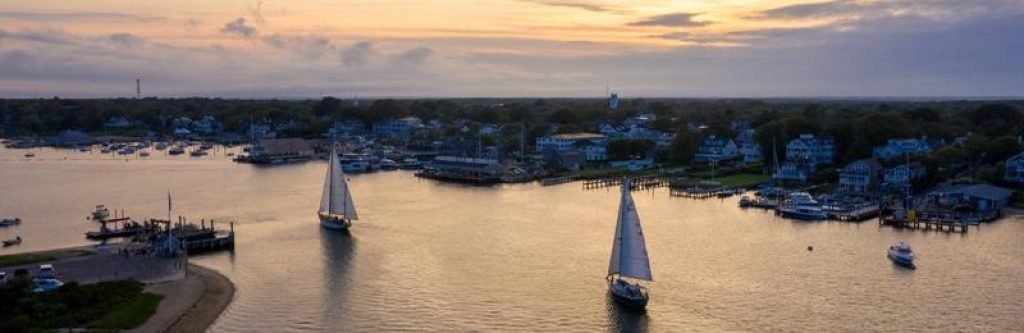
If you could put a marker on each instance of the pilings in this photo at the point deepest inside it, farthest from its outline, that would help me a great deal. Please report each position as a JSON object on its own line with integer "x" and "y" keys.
{"x": 638, "y": 183}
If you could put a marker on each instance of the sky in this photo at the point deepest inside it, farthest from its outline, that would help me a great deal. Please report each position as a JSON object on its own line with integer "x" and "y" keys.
{"x": 511, "y": 48}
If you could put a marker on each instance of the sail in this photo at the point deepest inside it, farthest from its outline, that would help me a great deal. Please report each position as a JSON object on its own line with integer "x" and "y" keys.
{"x": 629, "y": 250}
{"x": 336, "y": 199}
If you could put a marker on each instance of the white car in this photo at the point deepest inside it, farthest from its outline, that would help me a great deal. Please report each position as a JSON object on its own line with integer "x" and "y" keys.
{"x": 46, "y": 272}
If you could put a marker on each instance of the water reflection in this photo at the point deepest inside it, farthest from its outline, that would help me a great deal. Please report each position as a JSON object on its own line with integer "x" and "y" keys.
{"x": 338, "y": 251}
{"x": 622, "y": 318}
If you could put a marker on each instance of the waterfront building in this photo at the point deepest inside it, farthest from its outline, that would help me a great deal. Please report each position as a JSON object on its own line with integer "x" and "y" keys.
{"x": 1015, "y": 169}
{"x": 715, "y": 149}
{"x": 568, "y": 141}
{"x": 812, "y": 150}
{"x": 398, "y": 129}
{"x": 860, "y": 176}
{"x": 475, "y": 170}
{"x": 903, "y": 174}
{"x": 981, "y": 200}
{"x": 791, "y": 171}
{"x": 903, "y": 147}
{"x": 749, "y": 149}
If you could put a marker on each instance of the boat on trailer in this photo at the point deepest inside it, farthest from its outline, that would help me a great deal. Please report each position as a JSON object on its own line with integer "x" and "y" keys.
{"x": 337, "y": 209}
{"x": 629, "y": 268}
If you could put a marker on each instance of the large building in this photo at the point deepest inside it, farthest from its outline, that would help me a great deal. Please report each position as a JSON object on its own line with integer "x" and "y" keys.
{"x": 748, "y": 146}
{"x": 861, "y": 176}
{"x": 1015, "y": 169}
{"x": 715, "y": 149}
{"x": 811, "y": 150}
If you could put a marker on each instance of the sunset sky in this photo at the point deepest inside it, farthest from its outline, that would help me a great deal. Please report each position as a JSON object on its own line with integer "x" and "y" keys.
{"x": 462, "y": 48}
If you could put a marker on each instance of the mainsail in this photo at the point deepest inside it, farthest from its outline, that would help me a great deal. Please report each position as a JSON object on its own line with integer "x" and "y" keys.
{"x": 629, "y": 251}
{"x": 336, "y": 199}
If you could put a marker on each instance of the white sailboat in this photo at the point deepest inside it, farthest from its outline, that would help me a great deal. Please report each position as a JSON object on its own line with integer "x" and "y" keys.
{"x": 337, "y": 210}
{"x": 629, "y": 265}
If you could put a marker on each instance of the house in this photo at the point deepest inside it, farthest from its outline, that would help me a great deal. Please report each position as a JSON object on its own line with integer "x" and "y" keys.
{"x": 572, "y": 159}
{"x": 259, "y": 131}
{"x": 117, "y": 122}
{"x": 903, "y": 147}
{"x": 812, "y": 150}
{"x": 903, "y": 175}
{"x": 792, "y": 172}
{"x": 715, "y": 149}
{"x": 749, "y": 149}
{"x": 982, "y": 200}
{"x": 345, "y": 129}
{"x": 399, "y": 129}
{"x": 207, "y": 125}
{"x": 861, "y": 176}
{"x": 568, "y": 141}
{"x": 594, "y": 151}
{"x": 1015, "y": 169}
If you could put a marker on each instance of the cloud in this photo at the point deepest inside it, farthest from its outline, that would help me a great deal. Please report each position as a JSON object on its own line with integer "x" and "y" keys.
{"x": 811, "y": 10}
{"x": 411, "y": 58}
{"x": 671, "y": 20}
{"x": 125, "y": 39}
{"x": 45, "y": 36}
{"x": 84, "y": 16}
{"x": 192, "y": 24}
{"x": 309, "y": 46}
{"x": 239, "y": 28}
{"x": 573, "y": 4}
{"x": 359, "y": 54}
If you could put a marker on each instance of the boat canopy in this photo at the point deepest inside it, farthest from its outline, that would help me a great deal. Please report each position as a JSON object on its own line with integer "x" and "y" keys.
{"x": 629, "y": 251}
{"x": 336, "y": 199}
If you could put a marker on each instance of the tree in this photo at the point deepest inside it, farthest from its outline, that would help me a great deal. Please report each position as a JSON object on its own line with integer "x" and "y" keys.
{"x": 684, "y": 145}
{"x": 628, "y": 149}
{"x": 327, "y": 106}
{"x": 1001, "y": 149}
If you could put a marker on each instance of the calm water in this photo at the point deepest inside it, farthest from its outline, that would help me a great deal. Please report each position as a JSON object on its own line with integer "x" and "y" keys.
{"x": 432, "y": 256}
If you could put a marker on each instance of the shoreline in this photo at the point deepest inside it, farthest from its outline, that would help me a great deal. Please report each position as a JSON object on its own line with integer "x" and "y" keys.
{"x": 191, "y": 304}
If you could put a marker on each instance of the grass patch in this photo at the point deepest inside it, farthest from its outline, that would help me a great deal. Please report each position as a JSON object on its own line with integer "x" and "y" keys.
{"x": 25, "y": 258}
{"x": 131, "y": 314}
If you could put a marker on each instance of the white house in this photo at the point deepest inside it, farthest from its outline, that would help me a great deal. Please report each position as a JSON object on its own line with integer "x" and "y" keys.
{"x": 903, "y": 175}
{"x": 565, "y": 142}
{"x": 716, "y": 149}
{"x": 860, "y": 176}
{"x": 748, "y": 146}
{"x": 812, "y": 150}
{"x": 903, "y": 147}
{"x": 206, "y": 125}
{"x": 791, "y": 172}
{"x": 1015, "y": 169}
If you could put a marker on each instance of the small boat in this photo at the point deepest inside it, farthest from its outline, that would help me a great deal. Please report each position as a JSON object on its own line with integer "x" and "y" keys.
{"x": 354, "y": 163}
{"x": 629, "y": 264}
{"x": 12, "y": 242}
{"x": 101, "y": 213}
{"x": 177, "y": 150}
{"x": 725, "y": 193}
{"x": 803, "y": 212}
{"x": 10, "y": 222}
{"x": 198, "y": 153}
{"x": 126, "y": 151}
{"x": 205, "y": 146}
{"x": 411, "y": 163}
{"x": 106, "y": 150}
{"x": 387, "y": 164}
{"x": 85, "y": 149}
{"x": 30, "y": 154}
{"x": 746, "y": 202}
{"x": 144, "y": 153}
{"x": 337, "y": 209}
{"x": 901, "y": 254}
{"x": 160, "y": 146}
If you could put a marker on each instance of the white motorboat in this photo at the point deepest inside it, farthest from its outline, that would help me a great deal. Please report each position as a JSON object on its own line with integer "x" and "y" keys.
{"x": 901, "y": 254}
{"x": 354, "y": 163}
{"x": 337, "y": 209}
{"x": 387, "y": 164}
{"x": 411, "y": 163}
{"x": 10, "y": 222}
{"x": 802, "y": 206}
{"x": 629, "y": 265}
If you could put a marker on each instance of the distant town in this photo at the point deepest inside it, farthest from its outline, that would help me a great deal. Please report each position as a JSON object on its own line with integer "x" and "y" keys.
{"x": 859, "y": 149}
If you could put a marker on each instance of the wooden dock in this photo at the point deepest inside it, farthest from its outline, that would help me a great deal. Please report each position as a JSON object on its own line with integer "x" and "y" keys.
{"x": 639, "y": 183}
{"x": 945, "y": 225}
{"x": 857, "y": 214}
{"x": 557, "y": 180}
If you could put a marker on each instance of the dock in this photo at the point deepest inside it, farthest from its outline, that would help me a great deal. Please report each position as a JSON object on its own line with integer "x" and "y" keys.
{"x": 856, "y": 214}
{"x": 638, "y": 183}
{"x": 937, "y": 224}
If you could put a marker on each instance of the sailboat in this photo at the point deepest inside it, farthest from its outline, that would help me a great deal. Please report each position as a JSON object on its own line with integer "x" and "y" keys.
{"x": 629, "y": 264}
{"x": 337, "y": 210}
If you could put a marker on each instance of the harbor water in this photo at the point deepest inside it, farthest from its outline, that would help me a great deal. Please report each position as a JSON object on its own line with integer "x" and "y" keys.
{"x": 433, "y": 256}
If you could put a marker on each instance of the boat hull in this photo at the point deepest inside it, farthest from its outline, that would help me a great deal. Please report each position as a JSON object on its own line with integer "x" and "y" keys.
{"x": 333, "y": 223}
{"x": 902, "y": 262}
{"x": 622, "y": 293}
{"x": 802, "y": 216}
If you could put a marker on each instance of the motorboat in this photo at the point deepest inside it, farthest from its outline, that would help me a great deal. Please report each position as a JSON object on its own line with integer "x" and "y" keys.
{"x": 10, "y": 222}
{"x": 354, "y": 163}
{"x": 101, "y": 213}
{"x": 803, "y": 212}
{"x": 198, "y": 153}
{"x": 745, "y": 202}
{"x": 126, "y": 151}
{"x": 30, "y": 154}
{"x": 410, "y": 163}
{"x": 160, "y": 145}
{"x": 85, "y": 149}
{"x": 901, "y": 254}
{"x": 176, "y": 150}
{"x": 337, "y": 209}
{"x": 12, "y": 242}
{"x": 387, "y": 164}
{"x": 144, "y": 153}
{"x": 629, "y": 265}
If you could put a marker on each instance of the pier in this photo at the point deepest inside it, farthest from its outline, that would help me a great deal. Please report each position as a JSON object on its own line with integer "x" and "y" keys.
{"x": 639, "y": 183}
{"x": 937, "y": 224}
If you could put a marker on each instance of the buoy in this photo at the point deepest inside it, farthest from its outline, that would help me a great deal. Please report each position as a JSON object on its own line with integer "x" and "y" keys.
{"x": 810, "y": 248}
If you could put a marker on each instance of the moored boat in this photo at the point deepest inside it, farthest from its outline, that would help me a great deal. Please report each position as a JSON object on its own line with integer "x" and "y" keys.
{"x": 629, "y": 265}
{"x": 10, "y": 222}
{"x": 12, "y": 242}
{"x": 337, "y": 209}
{"x": 101, "y": 213}
{"x": 901, "y": 254}
{"x": 387, "y": 164}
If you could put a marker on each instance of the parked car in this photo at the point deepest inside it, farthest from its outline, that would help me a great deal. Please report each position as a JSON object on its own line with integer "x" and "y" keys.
{"x": 46, "y": 285}
{"x": 46, "y": 272}
{"x": 3, "y": 277}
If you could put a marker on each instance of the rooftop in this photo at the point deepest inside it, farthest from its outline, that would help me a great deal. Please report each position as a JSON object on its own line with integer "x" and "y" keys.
{"x": 578, "y": 136}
